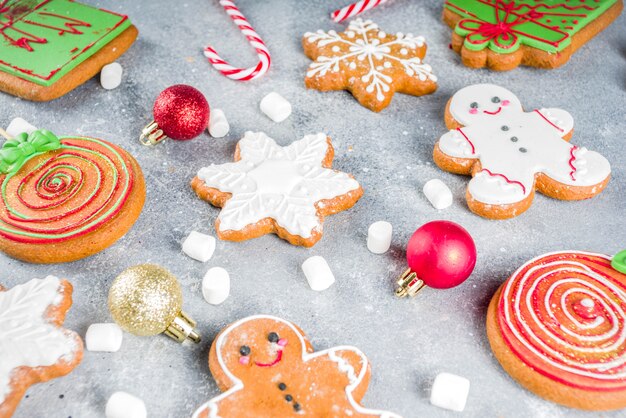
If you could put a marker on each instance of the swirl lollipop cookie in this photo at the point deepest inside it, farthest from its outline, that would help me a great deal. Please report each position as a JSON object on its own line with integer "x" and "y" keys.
{"x": 558, "y": 327}
{"x": 63, "y": 199}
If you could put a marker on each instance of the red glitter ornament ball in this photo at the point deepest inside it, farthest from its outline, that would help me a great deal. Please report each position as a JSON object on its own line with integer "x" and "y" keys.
{"x": 442, "y": 254}
{"x": 182, "y": 112}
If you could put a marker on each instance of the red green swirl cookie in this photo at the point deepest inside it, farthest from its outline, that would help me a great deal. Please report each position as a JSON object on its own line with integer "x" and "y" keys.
{"x": 66, "y": 198}
{"x": 558, "y": 326}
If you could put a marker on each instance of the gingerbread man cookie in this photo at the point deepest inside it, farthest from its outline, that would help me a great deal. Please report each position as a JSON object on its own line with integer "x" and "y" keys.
{"x": 558, "y": 327}
{"x": 511, "y": 153}
{"x": 272, "y": 189}
{"x": 33, "y": 346}
{"x": 502, "y": 34}
{"x": 368, "y": 62}
{"x": 267, "y": 368}
{"x": 65, "y": 198}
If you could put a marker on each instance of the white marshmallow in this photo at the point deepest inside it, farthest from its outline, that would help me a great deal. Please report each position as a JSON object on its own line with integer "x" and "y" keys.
{"x": 218, "y": 124}
{"x": 104, "y": 337}
{"x": 216, "y": 285}
{"x": 379, "y": 237}
{"x": 199, "y": 246}
{"x": 450, "y": 392}
{"x": 19, "y": 125}
{"x": 438, "y": 194}
{"x": 318, "y": 273}
{"x": 276, "y": 107}
{"x": 125, "y": 405}
{"x": 111, "y": 76}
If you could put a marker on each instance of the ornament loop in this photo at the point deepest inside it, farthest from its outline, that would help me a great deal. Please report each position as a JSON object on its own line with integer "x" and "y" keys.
{"x": 182, "y": 328}
{"x": 409, "y": 284}
{"x": 152, "y": 135}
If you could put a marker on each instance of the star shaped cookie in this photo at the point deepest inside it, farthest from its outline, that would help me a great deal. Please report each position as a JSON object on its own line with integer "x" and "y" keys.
{"x": 368, "y": 62}
{"x": 273, "y": 189}
{"x": 33, "y": 346}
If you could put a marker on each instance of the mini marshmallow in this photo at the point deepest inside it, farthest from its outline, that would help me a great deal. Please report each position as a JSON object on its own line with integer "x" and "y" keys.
{"x": 379, "y": 237}
{"x": 216, "y": 285}
{"x": 199, "y": 246}
{"x": 218, "y": 124}
{"x": 111, "y": 76}
{"x": 450, "y": 392}
{"x": 125, "y": 405}
{"x": 18, "y": 126}
{"x": 438, "y": 194}
{"x": 104, "y": 337}
{"x": 318, "y": 273}
{"x": 276, "y": 107}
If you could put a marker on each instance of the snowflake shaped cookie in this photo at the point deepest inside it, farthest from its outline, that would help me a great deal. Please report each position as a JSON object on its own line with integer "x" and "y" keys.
{"x": 511, "y": 153}
{"x": 273, "y": 189}
{"x": 368, "y": 62}
{"x": 33, "y": 347}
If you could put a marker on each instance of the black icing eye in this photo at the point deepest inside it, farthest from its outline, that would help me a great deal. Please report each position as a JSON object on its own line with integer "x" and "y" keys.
{"x": 474, "y": 105}
{"x": 273, "y": 337}
{"x": 495, "y": 99}
{"x": 244, "y": 350}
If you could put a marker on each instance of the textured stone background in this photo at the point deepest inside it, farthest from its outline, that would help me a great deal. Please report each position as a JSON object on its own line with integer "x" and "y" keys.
{"x": 407, "y": 341}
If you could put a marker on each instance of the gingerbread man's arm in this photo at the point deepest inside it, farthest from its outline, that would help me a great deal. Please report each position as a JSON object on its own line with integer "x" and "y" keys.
{"x": 220, "y": 406}
{"x": 458, "y": 143}
{"x": 559, "y": 119}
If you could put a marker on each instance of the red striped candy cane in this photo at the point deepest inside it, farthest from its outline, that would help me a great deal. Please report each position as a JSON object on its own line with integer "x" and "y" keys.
{"x": 241, "y": 74}
{"x": 354, "y": 9}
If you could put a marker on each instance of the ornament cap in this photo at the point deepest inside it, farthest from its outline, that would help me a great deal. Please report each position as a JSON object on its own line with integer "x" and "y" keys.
{"x": 182, "y": 328}
{"x": 152, "y": 135}
{"x": 409, "y": 284}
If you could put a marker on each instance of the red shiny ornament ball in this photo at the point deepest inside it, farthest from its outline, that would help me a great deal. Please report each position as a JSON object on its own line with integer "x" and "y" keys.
{"x": 442, "y": 254}
{"x": 182, "y": 112}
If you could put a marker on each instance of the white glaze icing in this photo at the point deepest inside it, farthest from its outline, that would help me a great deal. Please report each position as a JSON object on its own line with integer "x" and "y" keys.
{"x": 283, "y": 183}
{"x": 364, "y": 44}
{"x": 342, "y": 365}
{"x": 531, "y": 144}
{"x": 551, "y": 342}
{"x": 26, "y": 338}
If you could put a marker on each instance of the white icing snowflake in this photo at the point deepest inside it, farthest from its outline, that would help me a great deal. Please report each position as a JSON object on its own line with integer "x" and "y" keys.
{"x": 286, "y": 184}
{"x": 363, "y": 42}
{"x": 26, "y": 337}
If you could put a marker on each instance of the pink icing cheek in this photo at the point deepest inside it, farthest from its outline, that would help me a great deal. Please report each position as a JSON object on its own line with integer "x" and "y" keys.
{"x": 473, "y": 111}
{"x": 244, "y": 360}
{"x": 505, "y": 102}
{"x": 282, "y": 342}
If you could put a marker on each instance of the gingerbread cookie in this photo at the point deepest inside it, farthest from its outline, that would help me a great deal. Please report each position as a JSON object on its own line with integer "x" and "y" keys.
{"x": 502, "y": 34}
{"x": 266, "y": 367}
{"x": 33, "y": 346}
{"x": 63, "y": 199}
{"x": 558, "y": 327}
{"x": 511, "y": 153}
{"x": 272, "y": 189}
{"x": 368, "y": 62}
{"x": 50, "y": 47}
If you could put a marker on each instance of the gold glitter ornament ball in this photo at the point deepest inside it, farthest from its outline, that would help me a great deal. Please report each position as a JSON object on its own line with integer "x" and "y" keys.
{"x": 145, "y": 299}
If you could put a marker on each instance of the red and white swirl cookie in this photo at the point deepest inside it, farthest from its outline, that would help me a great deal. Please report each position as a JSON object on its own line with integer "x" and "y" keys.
{"x": 558, "y": 327}
{"x": 63, "y": 199}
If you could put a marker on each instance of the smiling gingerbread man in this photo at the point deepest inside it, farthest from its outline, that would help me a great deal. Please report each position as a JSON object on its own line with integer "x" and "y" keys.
{"x": 267, "y": 368}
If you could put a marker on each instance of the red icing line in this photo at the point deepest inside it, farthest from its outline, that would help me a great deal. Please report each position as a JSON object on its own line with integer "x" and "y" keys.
{"x": 505, "y": 178}
{"x": 493, "y": 113}
{"x": 571, "y": 161}
{"x": 467, "y": 139}
{"x": 547, "y": 120}
{"x": 279, "y": 357}
{"x": 70, "y": 27}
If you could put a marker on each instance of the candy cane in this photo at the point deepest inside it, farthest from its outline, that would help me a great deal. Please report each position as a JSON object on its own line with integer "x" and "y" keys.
{"x": 241, "y": 74}
{"x": 354, "y": 9}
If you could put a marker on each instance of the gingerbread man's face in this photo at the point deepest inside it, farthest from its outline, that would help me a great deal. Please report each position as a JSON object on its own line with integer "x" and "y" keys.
{"x": 481, "y": 102}
{"x": 258, "y": 347}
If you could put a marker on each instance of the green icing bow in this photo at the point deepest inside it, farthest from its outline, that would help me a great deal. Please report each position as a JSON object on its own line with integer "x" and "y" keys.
{"x": 16, "y": 151}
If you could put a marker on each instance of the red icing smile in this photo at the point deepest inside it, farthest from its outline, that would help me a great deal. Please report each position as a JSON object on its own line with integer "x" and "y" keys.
{"x": 279, "y": 355}
{"x": 493, "y": 113}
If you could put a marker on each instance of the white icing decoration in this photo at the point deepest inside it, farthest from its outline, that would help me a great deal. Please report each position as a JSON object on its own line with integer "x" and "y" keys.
{"x": 342, "y": 365}
{"x": 26, "y": 338}
{"x": 369, "y": 48}
{"x": 282, "y": 183}
{"x": 593, "y": 295}
{"x": 509, "y": 167}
